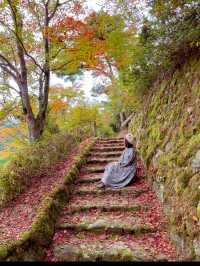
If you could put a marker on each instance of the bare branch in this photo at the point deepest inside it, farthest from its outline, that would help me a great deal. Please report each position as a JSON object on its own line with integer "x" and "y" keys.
{"x": 61, "y": 66}
{"x": 54, "y": 11}
{"x": 66, "y": 2}
{"x": 19, "y": 39}
{"x": 7, "y": 70}
{"x": 10, "y": 87}
{"x": 9, "y": 63}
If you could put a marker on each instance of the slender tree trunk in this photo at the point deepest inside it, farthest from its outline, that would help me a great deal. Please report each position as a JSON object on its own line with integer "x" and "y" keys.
{"x": 94, "y": 128}
{"x": 36, "y": 127}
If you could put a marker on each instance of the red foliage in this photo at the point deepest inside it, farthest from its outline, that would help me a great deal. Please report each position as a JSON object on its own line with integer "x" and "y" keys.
{"x": 157, "y": 243}
{"x": 18, "y": 215}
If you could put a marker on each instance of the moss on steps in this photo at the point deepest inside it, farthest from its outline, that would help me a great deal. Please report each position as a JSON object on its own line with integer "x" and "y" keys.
{"x": 107, "y": 149}
{"x": 127, "y": 190}
{"x": 101, "y": 160}
{"x": 108, "y": 208}
{"x": 93, "y": 169}
{"x": 107, "y": 225}
{"x": 89, "y": 179}
{"x": 111, "y": 142}
{"x": 105, "y": 154}
{"x": 119, "y": 251}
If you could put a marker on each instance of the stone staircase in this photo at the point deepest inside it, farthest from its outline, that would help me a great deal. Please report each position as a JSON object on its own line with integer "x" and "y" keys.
{"x": 110, "y": 225}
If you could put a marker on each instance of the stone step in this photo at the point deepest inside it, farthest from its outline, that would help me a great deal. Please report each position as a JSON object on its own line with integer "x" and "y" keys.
{"x": 127, "y": 190}
{"x": 105, "y": 154}
{"x": 89, "y": 179}
{"x": 106, "y": 225}
{"x": 101, "y": 160}
{"x": 107, "y": 208}
{"x": 105, "y": 145}
{"x": 103, "y": 251}
{"x": 110, "y": 139}
{"x": 91, "y": 169}
{"x": 110, "y": 142}
{"x": 107, "y": 149}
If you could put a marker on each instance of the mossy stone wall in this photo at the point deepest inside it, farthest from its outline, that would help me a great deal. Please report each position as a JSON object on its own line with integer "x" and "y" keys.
{"x": 167, "y": 129}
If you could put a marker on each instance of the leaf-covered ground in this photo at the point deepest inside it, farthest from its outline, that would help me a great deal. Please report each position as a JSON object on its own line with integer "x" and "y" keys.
{"x": 18, "y": 215}
{"x": 98, "y": 228}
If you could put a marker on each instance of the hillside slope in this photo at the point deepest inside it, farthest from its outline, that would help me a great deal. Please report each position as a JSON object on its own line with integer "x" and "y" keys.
{"x": 167, "y": 129}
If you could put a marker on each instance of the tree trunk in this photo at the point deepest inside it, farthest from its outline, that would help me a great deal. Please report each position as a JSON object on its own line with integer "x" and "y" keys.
{"x": 127, "y": 121}
{"x": 94, "y": 125}
{"x": 36, "y": 127}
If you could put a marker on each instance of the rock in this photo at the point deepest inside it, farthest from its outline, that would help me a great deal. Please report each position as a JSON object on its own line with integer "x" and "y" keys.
{"x": 196, "y": 245}
{"x": 97, "y": 251}
{"x": 159, "y": 189}
{"x": 168, "y": 146}
{"x": 119, "y": 251}
{"x": 156, "y": 157}
{"x": 67, "y": 253}
{"x": 196, "y": 162}
{"x": 98, "y": 224}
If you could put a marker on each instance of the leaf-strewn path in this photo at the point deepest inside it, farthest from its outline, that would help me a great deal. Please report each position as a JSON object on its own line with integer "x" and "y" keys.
{"x": 19, "y": 214}
{"x": 124, "y": 224}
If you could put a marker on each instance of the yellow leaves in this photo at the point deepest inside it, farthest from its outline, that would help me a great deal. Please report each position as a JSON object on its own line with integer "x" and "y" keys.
{"x": 58, "y": 105}
{"x": 4, "y": 154}
{"x": 5, "y": 132}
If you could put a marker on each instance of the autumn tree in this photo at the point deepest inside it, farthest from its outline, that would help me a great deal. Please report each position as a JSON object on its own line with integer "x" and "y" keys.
{"x": 28, "y": 54}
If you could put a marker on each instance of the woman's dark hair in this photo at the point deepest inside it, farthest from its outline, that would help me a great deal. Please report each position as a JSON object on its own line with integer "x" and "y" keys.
{"x": 128, "y": 144}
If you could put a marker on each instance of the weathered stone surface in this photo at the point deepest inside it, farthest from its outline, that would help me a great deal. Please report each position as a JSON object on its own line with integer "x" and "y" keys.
{"x": 126, "y": 190}
{"x": 196, "y": 162}
{"x": 101, "y": 160}
{"x": 67, "y": 253}
{"x": 118, "y": 251}
{"x": 107, "y": 149}
{"x": 156, "y": 158}
{"x": 108, "y": 225}
{"x": 111, "y": 207}
{"x": 168, "y": 146}
{"x": 89, "y": 179}
{"x": 159, "y": 189}
{"x": 196, "y": 245}
{"x": 106, "y": 154}
{"x": 97, "y": 169}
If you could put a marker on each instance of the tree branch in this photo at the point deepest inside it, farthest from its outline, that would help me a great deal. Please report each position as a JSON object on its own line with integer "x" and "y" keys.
{"x": 7, "y": 70}
{"x": 9, "y": 64}
{"x": 54, "y": 11}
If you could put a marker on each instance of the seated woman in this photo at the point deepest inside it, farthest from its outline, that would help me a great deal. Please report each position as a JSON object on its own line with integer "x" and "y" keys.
{"x": 119, "y": 174}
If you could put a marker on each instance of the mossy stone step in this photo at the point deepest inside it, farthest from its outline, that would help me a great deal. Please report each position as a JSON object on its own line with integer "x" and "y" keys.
{"x": 105, "y": 154}
{"x": 107, "y": 149}
{"x": 121, "y": 191}
{"x": 90, "y": 169}
{"x": 110, "y": 142}
{"x": 107, "y": 208}
{"x": 101, "y": 160}
{"x": 89, "y": 179}
{"x": 111, "y": 145}
{"x": 98, "y": 251}
{"x": 108, "y": 225}
{"x": 110, "y": 139}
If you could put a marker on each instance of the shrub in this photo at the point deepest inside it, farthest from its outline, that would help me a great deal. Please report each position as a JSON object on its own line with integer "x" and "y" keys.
{"x": 32, "y": 160}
